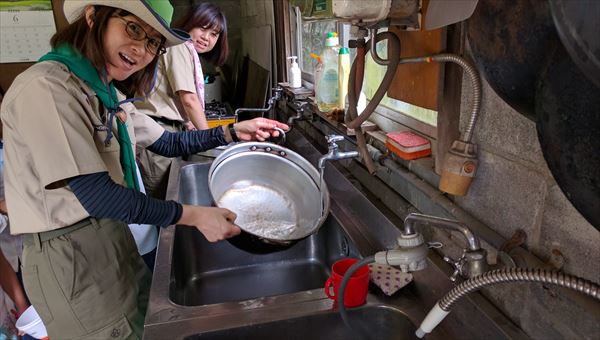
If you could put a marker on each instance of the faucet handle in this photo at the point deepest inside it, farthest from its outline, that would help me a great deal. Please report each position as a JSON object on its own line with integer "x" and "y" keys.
{"x": 332, "y": 139}
{"x": 300, "y": 105}
{"x": 457, "y": 264}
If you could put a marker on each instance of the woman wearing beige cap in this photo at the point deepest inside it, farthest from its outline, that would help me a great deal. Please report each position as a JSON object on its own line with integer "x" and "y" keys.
{"x": 70, "y": 176}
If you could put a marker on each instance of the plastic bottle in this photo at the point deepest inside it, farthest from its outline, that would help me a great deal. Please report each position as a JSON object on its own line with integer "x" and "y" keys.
{"x": 344, "y": 72}
{"x": 295, "y": 74}
{"x": 328, "y": 91}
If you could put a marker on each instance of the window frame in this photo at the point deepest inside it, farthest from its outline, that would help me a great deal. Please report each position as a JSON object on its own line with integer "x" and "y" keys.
{"x": 449, "y": 100}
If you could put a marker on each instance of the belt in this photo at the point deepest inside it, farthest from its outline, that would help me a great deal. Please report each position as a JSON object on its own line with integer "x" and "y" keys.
{"x": 48, "y": 235}
{"x": 169, "y": 122}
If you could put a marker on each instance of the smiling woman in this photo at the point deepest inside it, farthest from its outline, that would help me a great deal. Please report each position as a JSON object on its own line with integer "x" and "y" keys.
{"x": 177, "y": 101}
{"x": 71, "y": 177}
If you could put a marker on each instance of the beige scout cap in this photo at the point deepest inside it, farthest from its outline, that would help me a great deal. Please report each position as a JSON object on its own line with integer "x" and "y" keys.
{"x": 156, "y": 13}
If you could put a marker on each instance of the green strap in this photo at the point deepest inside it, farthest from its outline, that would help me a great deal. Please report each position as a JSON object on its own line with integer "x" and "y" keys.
{"x": 127, "y": 157}
{"x": 107, "y": 94}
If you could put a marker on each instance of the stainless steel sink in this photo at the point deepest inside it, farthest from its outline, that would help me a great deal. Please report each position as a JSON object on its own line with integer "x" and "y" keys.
{"x": 206, "y": 273}
{"x": 380, "y": 322}
{"x": 218, "y": 291}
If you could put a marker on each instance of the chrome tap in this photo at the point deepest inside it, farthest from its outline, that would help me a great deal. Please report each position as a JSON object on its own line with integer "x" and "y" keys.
{"x": 412, "y": 252}
{"x": 334, "y": 154}
{"x": 276, "y": 96}
{"x": 299, "y": 113}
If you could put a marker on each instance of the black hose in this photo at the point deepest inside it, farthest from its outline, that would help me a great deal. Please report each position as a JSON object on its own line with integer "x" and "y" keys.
{"x": 353, "y": 121}
{"x": 394, "y": 60}
{"x": 342, "y": 290}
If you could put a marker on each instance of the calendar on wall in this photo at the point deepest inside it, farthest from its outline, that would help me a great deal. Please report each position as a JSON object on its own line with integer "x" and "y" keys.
{"x": 26, "y": 27}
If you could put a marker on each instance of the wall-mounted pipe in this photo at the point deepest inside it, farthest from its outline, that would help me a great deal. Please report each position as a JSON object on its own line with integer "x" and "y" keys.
{"x": 460, "y": 162}
{"x": 473, "y": 76}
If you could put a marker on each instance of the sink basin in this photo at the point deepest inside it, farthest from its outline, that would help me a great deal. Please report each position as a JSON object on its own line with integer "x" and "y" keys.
{"x": 380, "y": 322}
{"x": 217, "y": 290}
{"x": 208, "y": 273}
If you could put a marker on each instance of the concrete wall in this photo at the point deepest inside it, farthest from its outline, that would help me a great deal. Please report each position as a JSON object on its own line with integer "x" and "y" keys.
{"x": 514, "y": 189}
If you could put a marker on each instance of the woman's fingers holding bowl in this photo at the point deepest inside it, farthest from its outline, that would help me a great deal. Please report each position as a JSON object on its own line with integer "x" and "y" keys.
{"x": 215, "y": 224}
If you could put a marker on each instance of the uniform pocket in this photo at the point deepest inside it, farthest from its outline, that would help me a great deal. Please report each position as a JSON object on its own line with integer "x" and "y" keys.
{"x": 33, "y": 287}
{"x": 120, "y": 329}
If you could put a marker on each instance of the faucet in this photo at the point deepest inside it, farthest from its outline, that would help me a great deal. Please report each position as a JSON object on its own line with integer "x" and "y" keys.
{"x": 334, "y": 154}
{"x": 276, "y": 96}
{"x": 411, "y": 255}
{"x": 299, "y": 113}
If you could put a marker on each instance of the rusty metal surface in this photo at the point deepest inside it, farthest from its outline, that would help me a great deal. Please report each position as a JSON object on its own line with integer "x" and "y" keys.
{"x": 567, "y": 105}
{"x": 509, "y": 41}
{"x": 516, "y": 47}
{"x": 578, "y": 27}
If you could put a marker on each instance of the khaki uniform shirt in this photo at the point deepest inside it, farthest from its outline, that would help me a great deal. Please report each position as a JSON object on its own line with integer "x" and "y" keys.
{"x": 175, "y": 73}
{"x": 53, "y": 130}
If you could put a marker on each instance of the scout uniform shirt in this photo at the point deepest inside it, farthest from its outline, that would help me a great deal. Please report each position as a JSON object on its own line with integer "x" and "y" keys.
{"x": 54, "y": 129}
{"x": 175, "y": 73}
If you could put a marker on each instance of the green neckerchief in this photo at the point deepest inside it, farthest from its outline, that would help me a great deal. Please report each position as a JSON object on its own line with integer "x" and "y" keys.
{"x": 83, "y": 68}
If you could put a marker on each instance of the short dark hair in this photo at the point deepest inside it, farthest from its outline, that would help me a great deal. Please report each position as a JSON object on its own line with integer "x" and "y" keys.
{"x": 207, "y": 15}
{"x": 89, "y": 42}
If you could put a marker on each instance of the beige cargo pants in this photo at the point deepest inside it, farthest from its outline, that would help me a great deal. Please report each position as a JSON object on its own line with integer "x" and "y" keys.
{"x": 89, "y": 283}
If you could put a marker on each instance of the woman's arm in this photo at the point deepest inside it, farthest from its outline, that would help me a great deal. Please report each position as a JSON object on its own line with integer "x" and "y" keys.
{"x": 175, "y": 144}
{"x": 193, "y": 109}
{"x": 103, "y": 198}
{"x": 10, "y": 284}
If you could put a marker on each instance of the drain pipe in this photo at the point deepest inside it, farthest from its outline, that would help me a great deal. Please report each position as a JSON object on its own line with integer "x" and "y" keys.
{"x": 507, "y": 275}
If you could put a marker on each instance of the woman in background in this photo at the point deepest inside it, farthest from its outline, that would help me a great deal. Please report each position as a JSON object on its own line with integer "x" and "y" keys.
{"x": 177, "y": 99}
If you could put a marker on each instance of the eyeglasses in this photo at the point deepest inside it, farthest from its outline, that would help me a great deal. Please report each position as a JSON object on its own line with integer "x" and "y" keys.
{"x": 137, "y": 32}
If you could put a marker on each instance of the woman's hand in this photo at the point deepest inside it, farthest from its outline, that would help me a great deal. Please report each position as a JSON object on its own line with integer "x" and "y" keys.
{"x": 215, "y": 224}
{"x": 189, "y": 126}
{"x": 258, "y": 129}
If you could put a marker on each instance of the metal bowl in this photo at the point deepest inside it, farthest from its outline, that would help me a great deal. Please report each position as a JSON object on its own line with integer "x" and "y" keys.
{"x": 275, "y": 192}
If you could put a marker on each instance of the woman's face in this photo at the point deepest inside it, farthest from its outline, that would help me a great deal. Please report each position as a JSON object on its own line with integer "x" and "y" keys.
{"x": 125, "y": 55}
{"x": 204, "y": 39}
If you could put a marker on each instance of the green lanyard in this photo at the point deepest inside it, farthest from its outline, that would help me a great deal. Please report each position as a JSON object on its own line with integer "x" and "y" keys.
{"x": 107, "y": 94}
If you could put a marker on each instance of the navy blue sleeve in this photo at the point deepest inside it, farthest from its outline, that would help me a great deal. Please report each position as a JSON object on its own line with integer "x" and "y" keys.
{"x": 175, "y": 144}
{"x": 101, "y": 197}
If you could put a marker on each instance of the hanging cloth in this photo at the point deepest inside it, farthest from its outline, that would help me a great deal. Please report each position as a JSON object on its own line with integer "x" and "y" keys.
{"x": 198, "y": 75}
{"x": 105, "y": 91}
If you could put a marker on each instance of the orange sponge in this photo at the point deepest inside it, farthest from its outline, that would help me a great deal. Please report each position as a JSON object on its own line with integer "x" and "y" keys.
{"x": 408, "y": 145}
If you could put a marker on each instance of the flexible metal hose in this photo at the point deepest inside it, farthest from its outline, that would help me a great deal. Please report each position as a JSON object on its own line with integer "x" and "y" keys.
{"x": 442, "y": 308}
{"x": 519, "y": 275}
{"x": 473, "y": 75}
{"x": 342, "y": 291}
